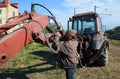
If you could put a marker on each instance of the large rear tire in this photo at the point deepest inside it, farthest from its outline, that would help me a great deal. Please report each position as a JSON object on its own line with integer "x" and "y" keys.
{"x": 103, "y": 60}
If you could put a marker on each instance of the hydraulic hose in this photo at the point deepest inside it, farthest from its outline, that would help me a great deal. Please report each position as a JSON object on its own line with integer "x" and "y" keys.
{"x": 58, "y": 27}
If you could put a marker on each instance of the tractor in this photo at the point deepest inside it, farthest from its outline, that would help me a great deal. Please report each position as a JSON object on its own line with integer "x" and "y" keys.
{"x": 93, "y": 42}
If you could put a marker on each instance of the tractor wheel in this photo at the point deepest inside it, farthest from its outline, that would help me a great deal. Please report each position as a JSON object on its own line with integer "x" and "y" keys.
{"x": 103, "y": 60}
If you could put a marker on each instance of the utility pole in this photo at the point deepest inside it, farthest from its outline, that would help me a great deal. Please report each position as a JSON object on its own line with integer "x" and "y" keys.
{"x": 74, "y": 11}
{"x": 95, "y": 8}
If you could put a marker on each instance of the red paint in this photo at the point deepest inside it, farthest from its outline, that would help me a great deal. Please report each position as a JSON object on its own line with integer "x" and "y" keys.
{"x": 12, "y": 43}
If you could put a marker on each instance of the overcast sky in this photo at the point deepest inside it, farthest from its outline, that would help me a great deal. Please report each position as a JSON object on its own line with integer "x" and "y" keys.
{"x": 109, "y": 10}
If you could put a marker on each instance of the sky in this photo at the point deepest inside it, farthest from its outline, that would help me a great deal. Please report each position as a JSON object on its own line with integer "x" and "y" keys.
{"x": 109, "y": 10}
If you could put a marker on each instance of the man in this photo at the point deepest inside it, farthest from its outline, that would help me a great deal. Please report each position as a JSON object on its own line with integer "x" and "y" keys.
{"x": 68, "y": 54}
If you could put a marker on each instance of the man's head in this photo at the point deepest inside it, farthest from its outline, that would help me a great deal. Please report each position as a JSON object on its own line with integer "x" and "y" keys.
{"x": 70, "y": 34}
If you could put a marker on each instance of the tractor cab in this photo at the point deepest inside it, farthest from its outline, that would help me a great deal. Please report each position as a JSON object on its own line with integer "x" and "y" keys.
{"x": 85, "y": 23}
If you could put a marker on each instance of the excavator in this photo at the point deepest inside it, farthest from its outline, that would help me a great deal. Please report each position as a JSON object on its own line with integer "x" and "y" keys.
{"x": 25, "y": 28}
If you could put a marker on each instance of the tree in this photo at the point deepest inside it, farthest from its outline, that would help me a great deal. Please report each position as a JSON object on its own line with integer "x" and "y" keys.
{"x": 110, "y": 32}
{"x": 117, "y": 28}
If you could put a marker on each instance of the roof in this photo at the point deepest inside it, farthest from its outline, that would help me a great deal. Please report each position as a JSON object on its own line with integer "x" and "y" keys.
{"x": 85, "y": 14}
{"x": 2, "y": 4}
{"x": 14, "y": 5}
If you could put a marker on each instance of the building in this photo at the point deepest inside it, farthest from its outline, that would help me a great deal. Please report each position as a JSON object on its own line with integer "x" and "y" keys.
{"x": 7, "y": 10}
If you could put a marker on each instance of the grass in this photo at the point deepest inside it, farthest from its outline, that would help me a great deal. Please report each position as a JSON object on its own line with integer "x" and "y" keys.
{"x": 36, "y": 61}
{"x": 115, "y": 42}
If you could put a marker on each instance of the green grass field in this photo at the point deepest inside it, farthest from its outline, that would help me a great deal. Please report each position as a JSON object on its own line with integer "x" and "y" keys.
{"x": 36, "y": 61}
{"x": 115, "y": 42}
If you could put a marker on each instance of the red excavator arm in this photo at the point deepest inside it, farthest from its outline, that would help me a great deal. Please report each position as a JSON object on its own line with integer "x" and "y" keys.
{"x": 13, "y": 42}
{"x": 20, "y": 31}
